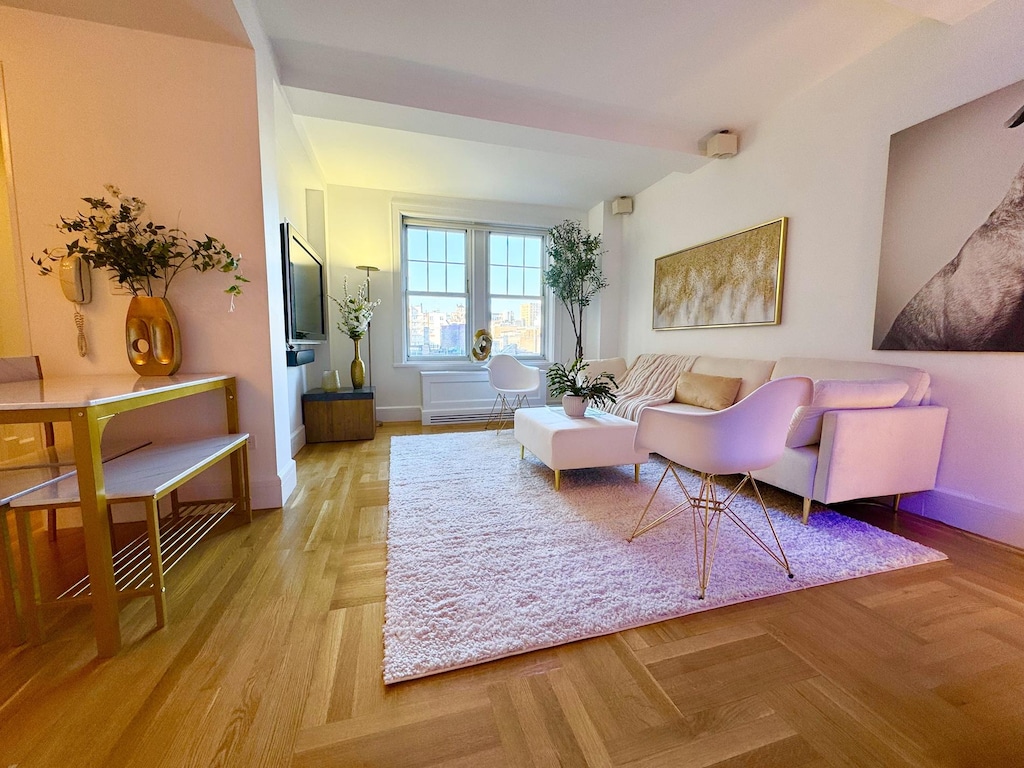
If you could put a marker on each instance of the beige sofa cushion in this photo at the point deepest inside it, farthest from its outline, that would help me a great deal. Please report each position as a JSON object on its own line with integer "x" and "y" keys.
{"x": 753, "y": 372}
{"x": 918, "y": 381}
{"x": 616, "y": 366}
{"x": 713, "y": 392}
{"x": 832, "y": 394}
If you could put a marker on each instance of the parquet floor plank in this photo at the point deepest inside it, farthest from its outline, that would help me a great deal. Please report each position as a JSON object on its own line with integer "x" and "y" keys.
{"x": 430, "y": 735}
{"x": 736, "y": 744}
{"x": 634, "y": 747}
{"x": 843, "y": 730}
{"x": 273, "y": 650}
{"x": 728, "y": 672}
{"x": 620, "y": 694}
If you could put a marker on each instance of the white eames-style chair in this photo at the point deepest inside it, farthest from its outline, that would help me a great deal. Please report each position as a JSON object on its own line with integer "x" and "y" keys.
{"x": 744, "y": 437}
{"x": 513, "y": 382}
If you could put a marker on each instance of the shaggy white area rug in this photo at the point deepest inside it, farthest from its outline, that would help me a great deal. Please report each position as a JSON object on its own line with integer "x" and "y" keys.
{"x": 486, "y": 560}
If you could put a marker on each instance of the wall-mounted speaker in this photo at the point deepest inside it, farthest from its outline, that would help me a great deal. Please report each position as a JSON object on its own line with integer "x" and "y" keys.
{"x": 722, "y": 144}
{"x": 622, "y": 205}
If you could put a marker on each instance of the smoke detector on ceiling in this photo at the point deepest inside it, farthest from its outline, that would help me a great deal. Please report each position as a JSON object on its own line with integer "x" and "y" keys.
{"x": 722, "y": 144}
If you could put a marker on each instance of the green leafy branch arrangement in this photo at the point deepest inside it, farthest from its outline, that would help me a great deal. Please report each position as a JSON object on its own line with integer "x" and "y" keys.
{"x": 573, "y": 273}
{"x": 145, "y": 257}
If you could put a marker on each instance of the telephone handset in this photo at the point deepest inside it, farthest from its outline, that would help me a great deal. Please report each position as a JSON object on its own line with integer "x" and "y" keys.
{"x": 76, "y": 279}
{"x": 76, "y": 282}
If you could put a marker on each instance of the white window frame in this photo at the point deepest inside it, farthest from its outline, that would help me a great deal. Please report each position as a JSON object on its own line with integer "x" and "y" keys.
{"x": 456, "y": 217}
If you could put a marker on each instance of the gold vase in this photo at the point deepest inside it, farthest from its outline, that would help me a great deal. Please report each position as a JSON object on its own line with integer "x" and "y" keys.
{"x": 152, "y": 336}
{"x": 358, "y": 370}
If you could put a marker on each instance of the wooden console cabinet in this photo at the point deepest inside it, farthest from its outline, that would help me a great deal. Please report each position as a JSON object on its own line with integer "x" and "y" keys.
{"x": 347, "y": 414}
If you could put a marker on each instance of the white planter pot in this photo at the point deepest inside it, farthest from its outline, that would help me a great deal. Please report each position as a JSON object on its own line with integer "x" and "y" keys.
{"x": 574, "y": 406}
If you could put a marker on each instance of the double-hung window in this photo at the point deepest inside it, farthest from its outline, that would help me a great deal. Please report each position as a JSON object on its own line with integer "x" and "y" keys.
{"x": 459, "y": 278}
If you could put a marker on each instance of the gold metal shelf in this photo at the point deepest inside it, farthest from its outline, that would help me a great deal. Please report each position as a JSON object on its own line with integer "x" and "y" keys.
{"x": 132, "y": 570}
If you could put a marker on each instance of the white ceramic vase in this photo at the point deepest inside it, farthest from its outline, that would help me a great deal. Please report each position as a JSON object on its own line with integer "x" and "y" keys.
{"x": 574, "y": 406}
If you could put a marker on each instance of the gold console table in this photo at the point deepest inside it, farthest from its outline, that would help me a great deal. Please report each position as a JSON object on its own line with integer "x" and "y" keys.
{"x": 88, "y": 403}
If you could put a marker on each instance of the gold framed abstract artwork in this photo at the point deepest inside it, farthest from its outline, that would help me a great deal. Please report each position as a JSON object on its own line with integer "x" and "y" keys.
{"x": 734, "y": 280}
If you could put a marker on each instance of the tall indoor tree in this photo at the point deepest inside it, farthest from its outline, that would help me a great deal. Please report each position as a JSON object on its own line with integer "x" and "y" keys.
{"x": 573, "y": 271}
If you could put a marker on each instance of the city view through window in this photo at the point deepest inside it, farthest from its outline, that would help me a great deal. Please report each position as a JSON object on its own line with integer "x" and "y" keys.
{"x": 437, "y": 327}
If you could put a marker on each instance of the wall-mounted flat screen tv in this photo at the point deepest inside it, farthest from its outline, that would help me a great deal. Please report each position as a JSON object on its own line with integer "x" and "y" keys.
{"x": 305, "y": 289}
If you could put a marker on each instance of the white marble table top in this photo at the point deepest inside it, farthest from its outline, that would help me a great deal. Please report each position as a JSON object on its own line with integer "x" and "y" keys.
{"x": 85, "y": 391}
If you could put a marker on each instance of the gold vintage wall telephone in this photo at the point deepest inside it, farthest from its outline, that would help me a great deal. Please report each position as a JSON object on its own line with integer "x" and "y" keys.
{"x": 76, "y": 282}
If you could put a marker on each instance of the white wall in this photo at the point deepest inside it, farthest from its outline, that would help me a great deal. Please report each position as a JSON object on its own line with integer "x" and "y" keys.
{"x": 361, "y": 231}
{"x": 822, "y": 161}
{"x": 602, "y": 335}
{"x": 172, "y": 121}
{"x": 297, "y": 176}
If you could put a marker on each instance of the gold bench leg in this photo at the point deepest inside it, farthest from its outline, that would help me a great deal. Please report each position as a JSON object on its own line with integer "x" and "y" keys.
{"x": 156, "y": 561}
{"x": 558, "y": 479}
{"x": 240, "y": 491}
{"x": 636, "y": 473}
{"x": 247, "y": 490}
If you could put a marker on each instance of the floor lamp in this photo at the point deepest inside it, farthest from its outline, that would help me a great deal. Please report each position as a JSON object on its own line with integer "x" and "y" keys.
{"x": 369, "y": 346}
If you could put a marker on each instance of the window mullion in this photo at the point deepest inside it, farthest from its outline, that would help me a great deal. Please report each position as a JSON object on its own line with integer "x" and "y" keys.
{"x": 479, "y": 300}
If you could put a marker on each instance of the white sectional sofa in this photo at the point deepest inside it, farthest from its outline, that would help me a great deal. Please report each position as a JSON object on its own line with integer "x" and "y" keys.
{"x": 865, "y": 450}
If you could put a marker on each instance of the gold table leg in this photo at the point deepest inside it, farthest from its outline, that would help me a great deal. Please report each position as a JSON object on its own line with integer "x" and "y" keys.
{"x": 10, "y": 600}
{"x": 87, "y": 431}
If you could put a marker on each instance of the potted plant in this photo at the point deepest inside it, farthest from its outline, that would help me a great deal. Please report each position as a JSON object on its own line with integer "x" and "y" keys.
{"x": 356, "y": 313}
{"x": 578, "y": 390}
{"x": 145, "y": 258}
{"x": 573, "y": 272}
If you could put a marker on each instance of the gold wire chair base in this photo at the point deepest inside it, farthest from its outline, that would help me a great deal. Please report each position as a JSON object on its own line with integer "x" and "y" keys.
{"x": 503, "y": 412}
{"x": 707, "y": 511}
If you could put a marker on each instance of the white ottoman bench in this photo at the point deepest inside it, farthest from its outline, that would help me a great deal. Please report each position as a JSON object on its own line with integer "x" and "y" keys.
{"x": 597, "y": 440}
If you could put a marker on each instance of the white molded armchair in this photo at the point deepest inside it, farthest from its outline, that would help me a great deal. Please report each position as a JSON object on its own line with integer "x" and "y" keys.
{"x": 747, "y": 436}
{"x": 513, "y": 382}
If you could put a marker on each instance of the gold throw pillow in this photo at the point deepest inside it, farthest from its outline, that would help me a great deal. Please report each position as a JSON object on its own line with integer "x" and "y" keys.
{"x": 714, "y": 392}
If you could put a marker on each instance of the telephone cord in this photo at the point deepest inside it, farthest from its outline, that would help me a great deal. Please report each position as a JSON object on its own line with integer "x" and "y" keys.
{"x": 83, "y": 344}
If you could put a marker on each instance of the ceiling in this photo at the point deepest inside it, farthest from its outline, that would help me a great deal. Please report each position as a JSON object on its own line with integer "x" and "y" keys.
{"x": 557, "y": 102}
{"x": 560, "y": 102}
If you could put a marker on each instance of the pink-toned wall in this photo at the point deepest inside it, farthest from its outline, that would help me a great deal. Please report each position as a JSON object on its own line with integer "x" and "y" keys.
{"x": 170, "y": 120}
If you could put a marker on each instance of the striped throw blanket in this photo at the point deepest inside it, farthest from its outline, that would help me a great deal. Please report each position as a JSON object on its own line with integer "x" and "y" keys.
{"x": 650, "y": 381}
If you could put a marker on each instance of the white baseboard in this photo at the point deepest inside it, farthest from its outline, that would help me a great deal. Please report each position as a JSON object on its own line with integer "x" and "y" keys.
{"x": 288, "y": 481}
{"x": 398, "y": 413}
{"x": 968, "y": 514}
{"x": 298, "y": 440}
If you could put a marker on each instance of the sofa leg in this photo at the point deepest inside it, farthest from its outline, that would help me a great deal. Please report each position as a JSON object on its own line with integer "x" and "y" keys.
{"x": 896, "y": 503}
{"x": 807, "y": 508}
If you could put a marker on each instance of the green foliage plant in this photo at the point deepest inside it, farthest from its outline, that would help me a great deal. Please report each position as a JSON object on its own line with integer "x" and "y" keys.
{"x": 145, "y": 257}
{"x": 598, "y": 390}
{"x": 573, "y": 272}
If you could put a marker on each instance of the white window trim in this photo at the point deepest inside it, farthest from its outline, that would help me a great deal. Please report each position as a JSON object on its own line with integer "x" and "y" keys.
{"x": 479, "y": 213}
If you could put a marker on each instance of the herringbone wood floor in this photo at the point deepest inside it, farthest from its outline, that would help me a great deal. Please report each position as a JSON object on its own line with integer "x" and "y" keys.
{"x": 273, "y": 649}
